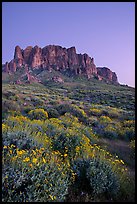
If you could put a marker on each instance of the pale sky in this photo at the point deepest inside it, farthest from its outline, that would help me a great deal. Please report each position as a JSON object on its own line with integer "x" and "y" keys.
{"x": 103, "y": 30}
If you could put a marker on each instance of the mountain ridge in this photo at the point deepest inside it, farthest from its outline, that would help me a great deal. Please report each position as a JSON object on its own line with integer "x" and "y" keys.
{"x": 55, "y": 57}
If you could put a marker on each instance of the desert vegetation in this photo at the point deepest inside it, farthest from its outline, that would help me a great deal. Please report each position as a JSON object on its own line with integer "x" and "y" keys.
{"x": 68, "y": 142}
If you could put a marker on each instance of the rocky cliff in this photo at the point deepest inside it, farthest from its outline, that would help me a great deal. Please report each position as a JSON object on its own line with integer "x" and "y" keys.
{"x": 107, "y": 74}
{"x": 57, "y": 58}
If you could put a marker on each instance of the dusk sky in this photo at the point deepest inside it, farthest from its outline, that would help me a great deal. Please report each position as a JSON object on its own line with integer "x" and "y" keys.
{"x": 103, "y": 30}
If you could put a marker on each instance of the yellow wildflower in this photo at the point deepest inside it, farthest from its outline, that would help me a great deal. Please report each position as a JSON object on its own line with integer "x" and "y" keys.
{"x": 10, "y": 151}
{"x": 77, "y": 148}
{"x": 44, "y": 160}
{"x": 27, "y": 159}
{"x": 13, "y": 145}
{"x": 20, "y": 152}
{"x": 121, "y": 161}
{"x": 51, "y": 197}
{"x": 42, "y": 149}
{"x": 34, "y": 152}
{"x": 34, "y": 160}
{"x": 5, "y": 147}
{"x": 55, "y": 152}
{"x": 73, "y": 174}
{"x": 14, "y": 158}
{"x": 3, "y": 126}
{"x": 30, "y": 165}
{"x": 116, "y": 160}
{"x": 65, "y": 155}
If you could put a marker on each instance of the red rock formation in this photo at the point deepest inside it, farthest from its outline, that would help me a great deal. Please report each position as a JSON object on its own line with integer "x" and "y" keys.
{"x": 35, "y": 57}
{"x": 12, "y": 66}
{"x": 58, "y": 58}
{"x": 55, "y": 56}
{"x": 18, "y": 58}
{"x": 27, "y": 53}
{"x": 72, "y": 56}
{"x": 107, "y": 74}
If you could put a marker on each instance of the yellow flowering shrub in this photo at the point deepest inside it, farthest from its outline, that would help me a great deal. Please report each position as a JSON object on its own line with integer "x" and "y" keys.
{"x": 38, "y": 114}
{"x": 4, "y": 127}
{"x": 104, "y": 119}
{"x": 40, "y": 157}
{"x": 95, "y": 112}
{"x": 17, "y": 120}
{"x": 45, "y": 175}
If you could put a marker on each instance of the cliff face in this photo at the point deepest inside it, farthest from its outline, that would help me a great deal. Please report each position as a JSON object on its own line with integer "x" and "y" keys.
{"x": 58, "y": 58}
{"x": 107, "y": 74}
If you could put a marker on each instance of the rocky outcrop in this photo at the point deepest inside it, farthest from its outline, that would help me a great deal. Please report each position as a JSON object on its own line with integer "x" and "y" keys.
{"x": 18, "y": 58}
{"x": 27, "y": 54}
{"x": 107, "y": 74}
{"x": 12, "y": 66}
{"x": 57, "y": 79}
{"x": 35, "y": 60}
{"x": 53, "y": 57}
{"x": 5, "y": 67}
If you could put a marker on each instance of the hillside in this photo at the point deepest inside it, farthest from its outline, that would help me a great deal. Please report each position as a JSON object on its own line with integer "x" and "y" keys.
{"x": 70, "y": 141}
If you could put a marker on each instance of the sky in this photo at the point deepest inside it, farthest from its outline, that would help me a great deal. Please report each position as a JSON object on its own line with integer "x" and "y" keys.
{"x": 103, "y": 30}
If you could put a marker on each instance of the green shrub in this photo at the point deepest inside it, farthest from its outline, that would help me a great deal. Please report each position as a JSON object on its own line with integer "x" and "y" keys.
{"x": 96, "y": 177}
{"x": 102, "y": 179}
{"x": 9, "y": 94}
{"x": 113, "y": 113}
{"x": 52, "y": 113}
{"x": 63, "y": 108}
{"x": 27, "y": 109}
{"x": 132, "y": 145}
{"x": 37, "y": 101}
{"x": 110, "y": 132}
{"x": 127, "y": 133}
{"x": 21, "y": 139}
{"x": 79, "y": 113}
{"x": 93, "y": 121}
{"x": 9, "y": 106}
{"x": 38, "y": 114}
{"x": 74, "y": 110}
{"x": 66, "y": 144}
{"x": 80, "y": 168}
{"x": 129, "y": 123}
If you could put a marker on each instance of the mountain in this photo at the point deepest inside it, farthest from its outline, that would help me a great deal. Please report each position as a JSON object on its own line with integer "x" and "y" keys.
{"x": 36, "y": 60}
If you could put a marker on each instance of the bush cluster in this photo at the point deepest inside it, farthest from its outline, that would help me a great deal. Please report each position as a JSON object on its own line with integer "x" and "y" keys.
{"x": 43, "y": 157}
{"x": 34, "y": 175}
{"x": 38, "y": 114}
{"x": 97, "y": 177}
{"x": 74, "y": 110}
